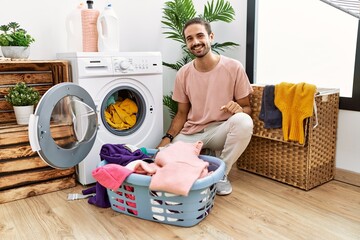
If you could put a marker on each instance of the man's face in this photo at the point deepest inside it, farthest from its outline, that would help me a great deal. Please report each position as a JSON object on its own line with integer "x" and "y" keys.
{"x": 198, "y": 41}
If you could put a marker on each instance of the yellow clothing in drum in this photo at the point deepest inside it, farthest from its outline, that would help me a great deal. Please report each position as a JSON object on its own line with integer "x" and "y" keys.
{"x": 121, "y": 114}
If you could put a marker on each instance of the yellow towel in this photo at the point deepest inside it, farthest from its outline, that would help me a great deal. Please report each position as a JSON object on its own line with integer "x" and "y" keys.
{"x": 295, "y": 101}
{"x": 122, "y": 114}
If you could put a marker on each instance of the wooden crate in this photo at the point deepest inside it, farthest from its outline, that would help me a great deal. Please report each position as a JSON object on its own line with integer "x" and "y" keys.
{"x": 39, "y": 74}
{"x": 22, "y": 172}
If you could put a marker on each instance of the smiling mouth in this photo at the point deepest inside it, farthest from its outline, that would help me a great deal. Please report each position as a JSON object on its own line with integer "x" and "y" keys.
{"x": 197, "y": 47}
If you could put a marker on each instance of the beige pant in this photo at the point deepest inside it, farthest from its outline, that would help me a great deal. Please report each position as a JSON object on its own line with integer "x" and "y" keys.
{"x": 230, "y": 137}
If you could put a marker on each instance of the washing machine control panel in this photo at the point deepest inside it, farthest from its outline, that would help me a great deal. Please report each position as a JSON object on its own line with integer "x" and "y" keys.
{"x": 124, "y": 65}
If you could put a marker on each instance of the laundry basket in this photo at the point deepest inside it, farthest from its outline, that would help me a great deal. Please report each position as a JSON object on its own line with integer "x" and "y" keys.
{"x": 134, "y": 197}
{"x": 301, "y": 165}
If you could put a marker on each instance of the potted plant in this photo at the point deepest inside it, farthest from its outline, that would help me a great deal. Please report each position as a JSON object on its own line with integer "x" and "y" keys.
{"x": 23, "y": 98}
{"x": 176, "y": 14}
{"x": 15, "y": 41}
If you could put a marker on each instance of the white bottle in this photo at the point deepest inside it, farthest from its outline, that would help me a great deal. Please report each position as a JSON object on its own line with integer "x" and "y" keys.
{"x": 108, "y": 31}
{"x": 74, "y": 29}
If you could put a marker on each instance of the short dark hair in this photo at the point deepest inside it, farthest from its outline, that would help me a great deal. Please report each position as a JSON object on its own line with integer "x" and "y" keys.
{"x": 198, "y": 20}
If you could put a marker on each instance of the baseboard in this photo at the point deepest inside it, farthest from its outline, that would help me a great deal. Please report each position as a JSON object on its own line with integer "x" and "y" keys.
{"x": 347, "y": 176}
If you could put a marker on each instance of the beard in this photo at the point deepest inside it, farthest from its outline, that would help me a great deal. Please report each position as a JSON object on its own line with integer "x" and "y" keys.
{"x": 204, "y": 50}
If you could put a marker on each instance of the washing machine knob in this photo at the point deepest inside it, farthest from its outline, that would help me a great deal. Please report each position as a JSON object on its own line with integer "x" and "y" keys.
{"x": 124, "y": 64}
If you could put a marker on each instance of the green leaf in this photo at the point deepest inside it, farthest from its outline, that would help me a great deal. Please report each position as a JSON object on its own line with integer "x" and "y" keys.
{"x": 219, "y": 11}
{"x": 13, "y": 35}
{"x": 170, "y": 104}
{"x": 176, "y": 66}
{"x": 176, "y": 14}
{"x": 221, "y": 47}
{"x": 22, "y": 95}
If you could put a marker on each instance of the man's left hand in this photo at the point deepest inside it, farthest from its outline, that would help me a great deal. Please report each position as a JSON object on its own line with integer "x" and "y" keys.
{"x": 232, "y": 107}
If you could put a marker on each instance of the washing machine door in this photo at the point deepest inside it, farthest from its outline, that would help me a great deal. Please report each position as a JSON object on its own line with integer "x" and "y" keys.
{"x": 63, "y": 128}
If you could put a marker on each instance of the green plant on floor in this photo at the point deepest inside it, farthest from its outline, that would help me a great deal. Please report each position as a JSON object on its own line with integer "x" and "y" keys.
{"x": 176, "y": 14}
{"x": 22, "y": 95}
{"x": 13, "y": 35}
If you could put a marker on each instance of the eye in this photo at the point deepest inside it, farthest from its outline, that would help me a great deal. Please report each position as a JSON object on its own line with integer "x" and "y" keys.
{"x": 200, "y": 35}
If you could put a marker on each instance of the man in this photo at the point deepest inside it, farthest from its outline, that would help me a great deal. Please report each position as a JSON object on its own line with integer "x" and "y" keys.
{"x": 213, "y": 95}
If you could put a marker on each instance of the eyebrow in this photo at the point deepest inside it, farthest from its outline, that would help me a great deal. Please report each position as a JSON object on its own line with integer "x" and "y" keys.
{"x": 197, "y": 34}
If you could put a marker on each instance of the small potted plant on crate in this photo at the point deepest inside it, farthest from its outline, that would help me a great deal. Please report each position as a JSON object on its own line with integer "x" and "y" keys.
{"x": 15, "y": 41}
{"x": 22, "y": 98}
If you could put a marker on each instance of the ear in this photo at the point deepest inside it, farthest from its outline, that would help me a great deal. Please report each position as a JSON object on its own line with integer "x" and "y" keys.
{"x": 211, "y": 37}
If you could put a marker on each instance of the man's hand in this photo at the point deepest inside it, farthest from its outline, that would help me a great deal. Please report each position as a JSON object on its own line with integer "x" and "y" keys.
{"x": 232, "y": 107}
{"x": 163, "y": 143}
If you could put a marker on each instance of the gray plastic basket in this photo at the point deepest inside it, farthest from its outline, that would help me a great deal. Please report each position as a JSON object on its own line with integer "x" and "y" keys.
{"x": 135, "y": 199}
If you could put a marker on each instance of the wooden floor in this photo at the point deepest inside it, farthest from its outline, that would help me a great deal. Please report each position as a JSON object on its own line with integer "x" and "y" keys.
{"x": 258, "y": 208}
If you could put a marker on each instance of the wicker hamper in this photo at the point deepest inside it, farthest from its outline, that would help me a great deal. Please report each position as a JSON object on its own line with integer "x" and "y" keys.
{"x": 134, "y": 198}
{"x": 304, "y": 166}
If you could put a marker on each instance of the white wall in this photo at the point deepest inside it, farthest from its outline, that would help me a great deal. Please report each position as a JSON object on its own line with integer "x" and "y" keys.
{"x": 141, "y": 30}
{"x": 348, "y": 144}
{"x": 45, "y": 20}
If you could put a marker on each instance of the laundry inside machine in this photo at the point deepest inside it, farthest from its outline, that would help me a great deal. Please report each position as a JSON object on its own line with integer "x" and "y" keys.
{"x": 126, "y": 94}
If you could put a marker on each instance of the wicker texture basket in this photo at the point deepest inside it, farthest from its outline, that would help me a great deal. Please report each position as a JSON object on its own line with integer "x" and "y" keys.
{"x": 304, "y": 166}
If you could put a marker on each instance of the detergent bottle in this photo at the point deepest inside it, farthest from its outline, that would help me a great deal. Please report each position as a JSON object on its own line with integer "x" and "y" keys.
{"x": 108, "y": 30}
{"x": 74, "y": 29}
{"x": 89, "y": 19}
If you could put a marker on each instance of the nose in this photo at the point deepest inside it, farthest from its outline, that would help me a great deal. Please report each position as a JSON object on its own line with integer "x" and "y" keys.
{"x": 195, "y": 42}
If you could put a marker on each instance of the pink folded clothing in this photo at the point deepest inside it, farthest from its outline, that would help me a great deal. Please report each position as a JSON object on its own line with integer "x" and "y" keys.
{"x": 111, "y": 175}
{"x": 180, "y": 166}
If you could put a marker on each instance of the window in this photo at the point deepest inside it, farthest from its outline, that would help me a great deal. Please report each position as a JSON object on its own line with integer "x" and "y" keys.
{"x": 296, "y": 41}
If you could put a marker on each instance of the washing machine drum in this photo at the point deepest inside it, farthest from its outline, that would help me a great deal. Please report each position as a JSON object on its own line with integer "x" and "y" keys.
{"x": 63, "y": 128}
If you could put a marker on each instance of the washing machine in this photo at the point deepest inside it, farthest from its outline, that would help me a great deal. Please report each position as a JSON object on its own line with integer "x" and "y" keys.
{"x": 100, "y": 82}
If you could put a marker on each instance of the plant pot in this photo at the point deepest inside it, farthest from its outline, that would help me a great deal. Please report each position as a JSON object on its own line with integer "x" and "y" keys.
{"x": 23, "y": 113}
{"x": 16, "y": 52}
